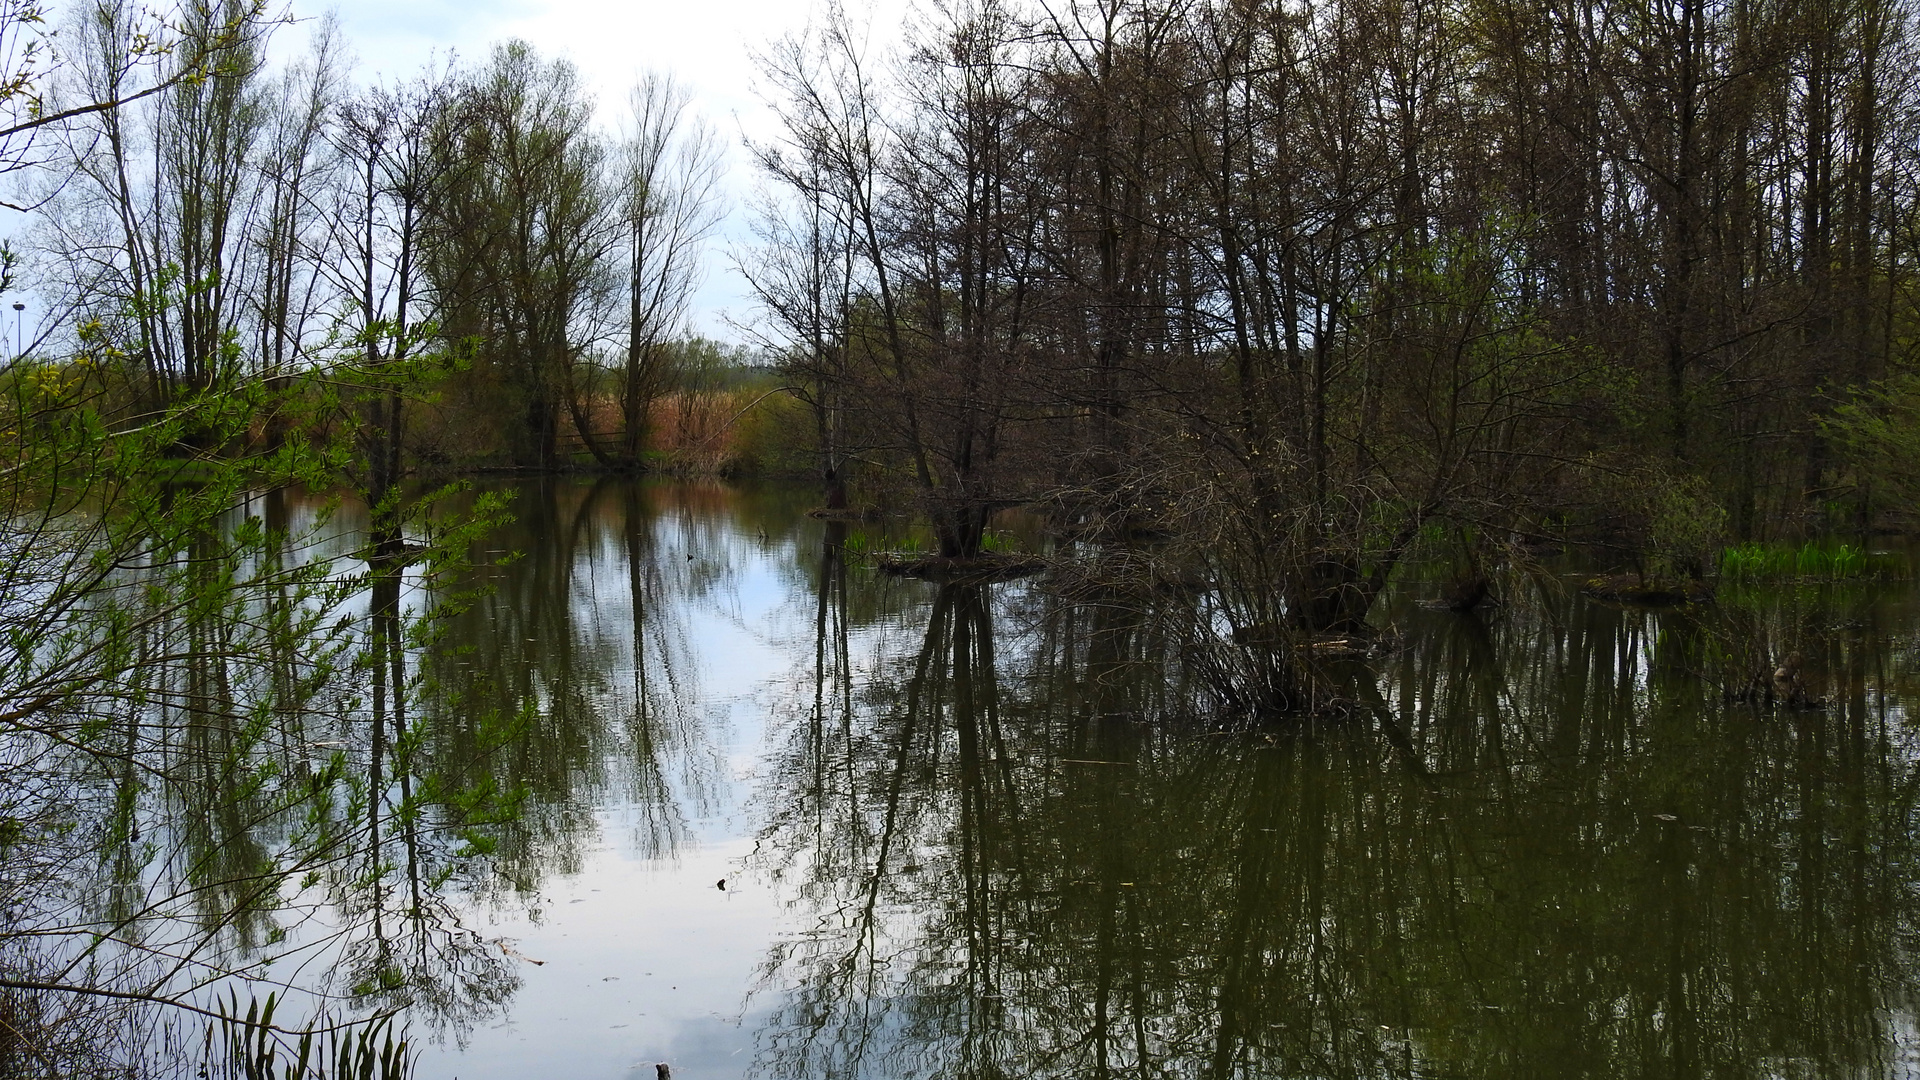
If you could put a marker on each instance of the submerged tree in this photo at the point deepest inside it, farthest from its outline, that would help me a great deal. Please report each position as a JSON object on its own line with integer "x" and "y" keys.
{"x": 1291, "y": 283}
{"x": 932, "y": 316}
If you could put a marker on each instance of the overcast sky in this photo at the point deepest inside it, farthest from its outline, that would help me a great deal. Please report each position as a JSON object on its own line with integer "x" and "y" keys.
{"x": 708, "y": 44}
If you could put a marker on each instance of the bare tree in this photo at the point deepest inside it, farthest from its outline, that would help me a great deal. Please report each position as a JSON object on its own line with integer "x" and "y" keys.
{"x": 933, "y": 334}
{"x": 295, "y": 175}
{"x": 153, "y": 236}
{"x": 667, "y": 169}
{"x": 392, "y": 145}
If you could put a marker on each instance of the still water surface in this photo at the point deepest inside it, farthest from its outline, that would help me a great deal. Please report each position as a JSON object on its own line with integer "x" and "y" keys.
{"x": 987, "y": 832}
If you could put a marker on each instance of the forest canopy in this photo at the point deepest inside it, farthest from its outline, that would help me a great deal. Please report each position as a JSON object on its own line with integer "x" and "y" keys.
{"x": 1289, "y": 287}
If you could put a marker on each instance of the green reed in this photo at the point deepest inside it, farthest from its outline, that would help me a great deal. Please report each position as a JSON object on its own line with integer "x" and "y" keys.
{"x": 1754, "y": 561}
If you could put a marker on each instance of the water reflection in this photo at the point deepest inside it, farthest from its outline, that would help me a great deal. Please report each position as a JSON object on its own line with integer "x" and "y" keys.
{"x": 1005, "y": 834}
{"x": 320, "y": 780}
{"x": 578, "y": 644}
{"x": 1545, "y": 844}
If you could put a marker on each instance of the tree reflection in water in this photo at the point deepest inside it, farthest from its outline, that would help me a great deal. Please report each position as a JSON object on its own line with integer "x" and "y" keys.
{"x": 233, "y": 804}
{"x": 1541, "y": 845}
{"x": 311, "y": 794}
{"x": 1015, "y": 839}
{"x": 583, "y": 637}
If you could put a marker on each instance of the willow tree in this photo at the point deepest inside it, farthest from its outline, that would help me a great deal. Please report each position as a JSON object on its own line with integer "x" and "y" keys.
{"x": 519, "y": 255}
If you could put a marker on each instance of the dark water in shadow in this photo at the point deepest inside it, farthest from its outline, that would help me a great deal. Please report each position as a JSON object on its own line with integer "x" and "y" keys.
{"x": 756, "y": 810}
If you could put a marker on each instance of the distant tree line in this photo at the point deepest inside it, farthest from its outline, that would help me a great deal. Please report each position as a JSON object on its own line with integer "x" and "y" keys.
{"x": 255, "y": 222}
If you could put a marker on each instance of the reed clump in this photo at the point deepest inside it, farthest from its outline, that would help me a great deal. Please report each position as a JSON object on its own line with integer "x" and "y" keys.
{"x": 1756, "y": 561}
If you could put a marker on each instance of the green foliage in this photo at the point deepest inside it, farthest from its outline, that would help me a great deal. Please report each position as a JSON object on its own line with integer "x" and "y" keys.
{"x": 180, "y": 636}
{"x": 1754, "y": 561}
{"x": 1684, "y": 526}
{"x": 1000, "y": 542}
{"x": 774, "y": 436}
{"x": 696, "y": 364}
{"x": 1879, "y": 431}
{"x": 520, "y": 248}
{"x": 859, "y": 543}
{"x": 905, "y": 545}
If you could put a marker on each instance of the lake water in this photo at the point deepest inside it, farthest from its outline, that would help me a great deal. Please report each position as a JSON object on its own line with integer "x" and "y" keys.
{"x": 984, "y": 832}
{"x": 776, "y": 815}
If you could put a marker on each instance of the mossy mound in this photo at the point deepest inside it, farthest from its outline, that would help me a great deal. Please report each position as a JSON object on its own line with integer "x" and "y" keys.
{"x": 1640, "y": 592}
{"x": 974, "y": 569}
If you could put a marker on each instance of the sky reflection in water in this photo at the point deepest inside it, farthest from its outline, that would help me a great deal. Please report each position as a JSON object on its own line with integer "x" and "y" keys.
{"x": 981, "y": 832}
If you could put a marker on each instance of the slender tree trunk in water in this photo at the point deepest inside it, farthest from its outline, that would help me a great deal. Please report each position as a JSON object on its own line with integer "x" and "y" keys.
{"x": 1111, "y": 736}
{"x": 388, "y": 687}
{"x": 396, "y": 660}
{"x": 634, "y": 391}
{"x": 542, "y": 426}
{"x": 961, "y": 530}
{"x": 382, "y": 450}
{"x": 836, "y": 490}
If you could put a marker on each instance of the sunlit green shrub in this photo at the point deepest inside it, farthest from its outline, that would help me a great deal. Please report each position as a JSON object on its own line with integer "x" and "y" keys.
{"x": 774, "y": 436}
{"x": 1000, "y": 542}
